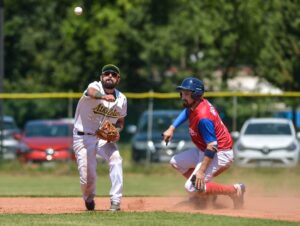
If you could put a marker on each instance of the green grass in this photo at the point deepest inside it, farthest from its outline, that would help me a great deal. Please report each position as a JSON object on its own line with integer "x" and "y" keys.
{"x": 62, "y": 180}
{"x": 130, "y": 219}
{"x": 139, "y": 180}
{"x": 66, "y": 186}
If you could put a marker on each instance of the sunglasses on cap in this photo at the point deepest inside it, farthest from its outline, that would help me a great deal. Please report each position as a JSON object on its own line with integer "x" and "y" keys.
{"x": 113, "y": 74}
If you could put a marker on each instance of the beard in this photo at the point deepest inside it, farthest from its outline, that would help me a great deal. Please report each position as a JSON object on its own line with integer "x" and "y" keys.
{"x": 185, "y": 104}
{"x": 109, "y": 84}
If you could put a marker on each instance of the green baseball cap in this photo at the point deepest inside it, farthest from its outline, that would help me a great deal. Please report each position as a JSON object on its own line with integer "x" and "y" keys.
{"x": 111, "y": 68}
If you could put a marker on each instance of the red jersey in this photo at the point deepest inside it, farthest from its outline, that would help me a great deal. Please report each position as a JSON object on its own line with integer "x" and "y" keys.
{"x": 206, "y": 126}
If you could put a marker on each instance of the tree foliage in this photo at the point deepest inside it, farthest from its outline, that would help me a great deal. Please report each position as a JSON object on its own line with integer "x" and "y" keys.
{"x": 279, "y": 57}
{"x": 155, "y": 43}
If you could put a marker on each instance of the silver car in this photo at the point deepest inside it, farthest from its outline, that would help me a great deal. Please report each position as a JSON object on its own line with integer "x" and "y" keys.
{"x": 266, "y": 142}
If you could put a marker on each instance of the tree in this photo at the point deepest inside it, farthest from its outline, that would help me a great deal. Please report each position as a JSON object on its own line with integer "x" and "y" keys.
{"x": 279, "y": 57}
{"x": 155, "y": 43}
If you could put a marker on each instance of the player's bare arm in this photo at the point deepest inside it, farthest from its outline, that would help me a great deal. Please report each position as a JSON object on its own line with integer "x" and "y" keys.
{"x": 94, "y": 93}
{"x": 168, "y": 134}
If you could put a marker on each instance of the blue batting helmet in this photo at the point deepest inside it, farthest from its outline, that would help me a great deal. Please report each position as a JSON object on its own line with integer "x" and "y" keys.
{"x": 192, "y": 84}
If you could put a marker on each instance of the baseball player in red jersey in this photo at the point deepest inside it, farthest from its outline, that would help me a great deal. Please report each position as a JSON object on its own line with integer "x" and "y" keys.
{"x": 213, "y": 153}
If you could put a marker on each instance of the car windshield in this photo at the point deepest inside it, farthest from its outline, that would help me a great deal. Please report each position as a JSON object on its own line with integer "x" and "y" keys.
{"x": 44, "y": 130}
{"x": 9, "y": 125}
{"x": 268, "y": 129}
{"x": 160, "y": 123}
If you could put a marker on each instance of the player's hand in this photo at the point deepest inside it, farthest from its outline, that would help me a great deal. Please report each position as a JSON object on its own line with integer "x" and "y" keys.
{"x": 108, "y": 97}
{"x": 200, "y": 183}
{"x": 168, "y": 134}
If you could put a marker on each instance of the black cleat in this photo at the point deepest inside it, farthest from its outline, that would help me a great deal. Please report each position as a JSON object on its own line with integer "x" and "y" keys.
{"x": 90, "y": 205}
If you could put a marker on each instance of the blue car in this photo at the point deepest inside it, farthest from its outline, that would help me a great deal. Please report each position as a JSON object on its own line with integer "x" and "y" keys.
{"x": 147, "y": 143}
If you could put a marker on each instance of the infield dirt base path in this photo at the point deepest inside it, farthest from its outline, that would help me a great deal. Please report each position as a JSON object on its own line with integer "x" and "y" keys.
{"x": 277, "y": 208}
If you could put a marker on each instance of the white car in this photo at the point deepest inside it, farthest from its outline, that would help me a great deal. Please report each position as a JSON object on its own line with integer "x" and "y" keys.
{"x": 267, "y": 142}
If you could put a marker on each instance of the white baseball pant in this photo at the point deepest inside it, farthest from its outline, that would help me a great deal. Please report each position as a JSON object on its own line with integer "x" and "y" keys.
{"x": 192, "y": 158}
{"x": 86, "y": 147}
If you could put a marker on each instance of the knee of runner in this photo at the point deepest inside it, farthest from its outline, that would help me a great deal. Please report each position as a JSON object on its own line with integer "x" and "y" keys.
{"x": 189, "y": 187}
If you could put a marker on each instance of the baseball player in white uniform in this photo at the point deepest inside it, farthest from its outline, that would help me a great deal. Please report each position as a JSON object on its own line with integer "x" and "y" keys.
{"x": 100, "y": 101}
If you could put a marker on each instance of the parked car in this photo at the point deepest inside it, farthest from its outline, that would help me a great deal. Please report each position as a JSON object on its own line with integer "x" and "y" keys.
{"x": 46, "y": 140}
{"x": 289, "y": 115}
{"x": 147, "y": 141}
{"x": 267, "y": 142}
{"x": 9, "y": 143}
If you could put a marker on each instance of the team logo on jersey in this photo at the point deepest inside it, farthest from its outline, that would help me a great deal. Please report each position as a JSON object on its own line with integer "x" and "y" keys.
{"x": 102, "y": 110}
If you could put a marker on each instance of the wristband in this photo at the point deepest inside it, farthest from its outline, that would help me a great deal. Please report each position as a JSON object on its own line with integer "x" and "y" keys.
{"x": 209, "y": 153}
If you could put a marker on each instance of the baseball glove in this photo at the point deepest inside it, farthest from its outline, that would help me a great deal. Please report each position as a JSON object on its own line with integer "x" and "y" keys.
{"x": 108, "y": 132}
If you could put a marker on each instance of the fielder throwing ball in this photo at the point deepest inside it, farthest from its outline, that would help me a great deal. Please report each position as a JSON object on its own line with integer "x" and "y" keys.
{"x": 213, "y": 153}
{"x": 99, "y": 118}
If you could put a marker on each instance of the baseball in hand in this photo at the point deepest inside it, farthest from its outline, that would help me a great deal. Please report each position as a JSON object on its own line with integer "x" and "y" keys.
{"x": 78, "y": 10}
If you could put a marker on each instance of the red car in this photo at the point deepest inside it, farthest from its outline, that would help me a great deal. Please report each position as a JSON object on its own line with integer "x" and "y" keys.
{"x": 46, "y": 140}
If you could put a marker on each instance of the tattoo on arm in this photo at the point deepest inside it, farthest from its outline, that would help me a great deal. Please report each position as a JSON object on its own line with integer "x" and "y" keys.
{"x": 99, "y": 95}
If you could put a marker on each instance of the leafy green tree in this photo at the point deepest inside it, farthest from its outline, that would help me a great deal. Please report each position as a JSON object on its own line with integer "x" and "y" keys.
{"x": 278, "y": 60}
{"x": 199, "y": 37}
{"x": 155, "y": 43}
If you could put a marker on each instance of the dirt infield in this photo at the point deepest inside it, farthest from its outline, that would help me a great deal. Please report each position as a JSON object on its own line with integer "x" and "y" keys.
{"x": 277, "y": 208}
